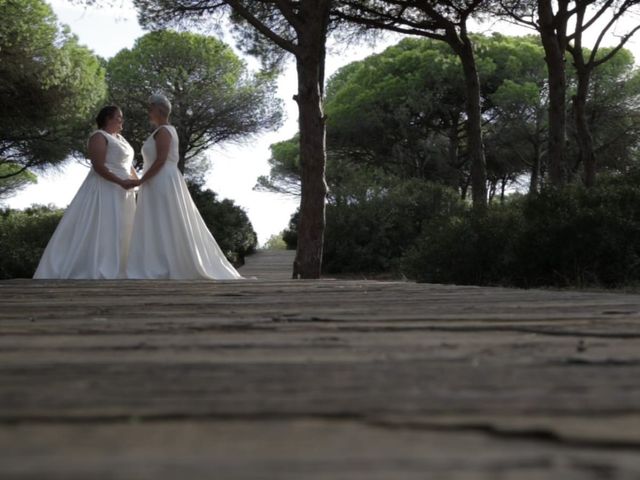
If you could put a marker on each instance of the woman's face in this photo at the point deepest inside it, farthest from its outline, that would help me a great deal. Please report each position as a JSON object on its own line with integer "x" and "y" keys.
{"x": 155, "y": 117}
{"x": 115, "y": 123}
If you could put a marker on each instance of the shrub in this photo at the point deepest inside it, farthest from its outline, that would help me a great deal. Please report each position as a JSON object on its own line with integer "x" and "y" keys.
{"x": 275, "y": 242}
{"x": 24, "y": 235}
{"x": 466, "y": 249}
{"x": 370, "y": 235}
{"x": 228, "y": 223}
{"x": 561, "y": 237}
{"x": 290, "y": 234}
{"x": 581, "y": 237}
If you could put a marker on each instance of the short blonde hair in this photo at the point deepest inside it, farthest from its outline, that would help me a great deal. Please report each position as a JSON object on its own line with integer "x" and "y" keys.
{"x": 162, "y": 102}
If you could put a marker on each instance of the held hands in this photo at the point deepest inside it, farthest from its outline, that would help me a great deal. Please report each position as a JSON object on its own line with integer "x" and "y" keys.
{"x": 130, "y": 183}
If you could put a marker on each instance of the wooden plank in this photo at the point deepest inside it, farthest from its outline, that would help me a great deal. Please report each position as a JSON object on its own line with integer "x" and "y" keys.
{"x": 274, "y": 378}
{"x": 269, "y": 265}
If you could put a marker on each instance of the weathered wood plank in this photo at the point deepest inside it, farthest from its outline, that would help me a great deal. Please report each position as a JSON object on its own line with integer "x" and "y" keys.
{"x": 293, "y": 450}
{"x": 316, "y": 379}
{"x": 269, "y": 265}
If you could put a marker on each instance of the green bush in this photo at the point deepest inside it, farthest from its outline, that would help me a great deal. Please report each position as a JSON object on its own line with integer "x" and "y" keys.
{"x": 370, "y": 235}
{"x": 582, "y": 237}
{"x": 24, "y": 235}
{"x": 228, "y": 223}
{"x": 275, "y": 242}
{"x": 466, "y": 249}
{"x": 567, "y": 237}
{"x": 290, "y": 234}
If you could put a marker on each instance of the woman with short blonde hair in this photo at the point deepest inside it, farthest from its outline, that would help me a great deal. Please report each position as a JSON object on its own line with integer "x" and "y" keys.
{"x": 170, "y": 238}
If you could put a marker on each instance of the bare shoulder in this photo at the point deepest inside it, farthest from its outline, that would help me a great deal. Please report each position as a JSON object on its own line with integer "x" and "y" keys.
{"x": 163, "y": 132}
{"x": 97, "y": 139}
{"x": 163, "y": 136}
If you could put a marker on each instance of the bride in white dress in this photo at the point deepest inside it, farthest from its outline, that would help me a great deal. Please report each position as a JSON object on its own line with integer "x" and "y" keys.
{"x": 92, "y": 239}
{"x": 170, "y": 238}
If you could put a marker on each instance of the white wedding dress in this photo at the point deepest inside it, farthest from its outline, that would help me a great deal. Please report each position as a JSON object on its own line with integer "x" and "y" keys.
{"x": 92, "y": 239}
{"x": 170, "y": 238}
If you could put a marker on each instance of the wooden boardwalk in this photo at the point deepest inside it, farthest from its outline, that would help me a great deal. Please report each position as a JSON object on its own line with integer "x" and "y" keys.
{"x": 294, "y": 380}
{"x": 269, "y": 265}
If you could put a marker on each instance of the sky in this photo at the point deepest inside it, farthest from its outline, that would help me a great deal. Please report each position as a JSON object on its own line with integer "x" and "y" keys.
{"x": 235, "y": 167}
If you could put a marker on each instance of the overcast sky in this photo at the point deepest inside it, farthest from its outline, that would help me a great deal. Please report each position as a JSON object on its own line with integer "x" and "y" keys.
{"x": 235, "y": 167}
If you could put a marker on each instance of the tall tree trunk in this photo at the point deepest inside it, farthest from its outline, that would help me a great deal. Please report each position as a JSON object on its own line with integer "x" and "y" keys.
{"x": 553, "y": 35}
{"x": 474, "y": 124}
{"x": 583, "y": 132}
{"x": 534, "y": 182}
{"x": 453, "y": 149}
{"x": 182, "y": 149}
{"x": 182, "y": 159}
{"x": 310, "y": 67}
{"x": 464, "y": 187}
{"x": 493, "y": 187}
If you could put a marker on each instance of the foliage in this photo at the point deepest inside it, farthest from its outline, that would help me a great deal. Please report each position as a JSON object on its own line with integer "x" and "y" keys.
{"x": 562, "y": 26}
{"x": 370, "y": 235}
{"x": 290, "y": 234}
{"x": 465, "y": 249}
{"x": 264, "y": 29}
{"x": 614, "y": 112}
{"x": 592, "y": 239}
{"x": 24, "y": 234}
{"x": 214, "y": 97}
{"x": 562, "y": 237}
{"x": 395, "y": 110}
{"x": 284, "y": 176}
{"x": 12, "y": 181}
{"x": 400, "y": 113}
{"x": 275, "y": 242}
{"x": 227, "y": 222}
{"x": 51, "y": 87}
{"x": 446, "y": 22}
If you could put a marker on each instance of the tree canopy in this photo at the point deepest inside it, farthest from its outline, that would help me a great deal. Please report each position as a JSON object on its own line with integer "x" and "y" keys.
{"x": 215, "y": 99}
{"x": 447, "y": 21}
{"x": 400, "y": 114}
{"x": 562, "y": 26}
{"x": 50, "y": 89}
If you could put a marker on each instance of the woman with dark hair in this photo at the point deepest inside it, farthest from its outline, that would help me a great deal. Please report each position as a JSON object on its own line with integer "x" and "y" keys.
{"x": 92, "y": 239}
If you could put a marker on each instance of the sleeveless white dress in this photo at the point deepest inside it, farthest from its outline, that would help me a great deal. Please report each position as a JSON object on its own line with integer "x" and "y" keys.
{"x": 92, "y": 239}
{"x": 170, "y": 238}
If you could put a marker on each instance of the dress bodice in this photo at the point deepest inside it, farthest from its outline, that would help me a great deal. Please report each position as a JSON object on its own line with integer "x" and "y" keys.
{"x": 149, "y": 150}
{"x": 119, "y": 159}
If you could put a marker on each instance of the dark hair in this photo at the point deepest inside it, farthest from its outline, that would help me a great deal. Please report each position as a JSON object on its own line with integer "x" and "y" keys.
{"x": 105, "y": 114}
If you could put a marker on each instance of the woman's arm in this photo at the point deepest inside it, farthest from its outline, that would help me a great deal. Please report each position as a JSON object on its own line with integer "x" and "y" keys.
{"x": 98, "y": 155}
{"x": 163, "y": 142}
